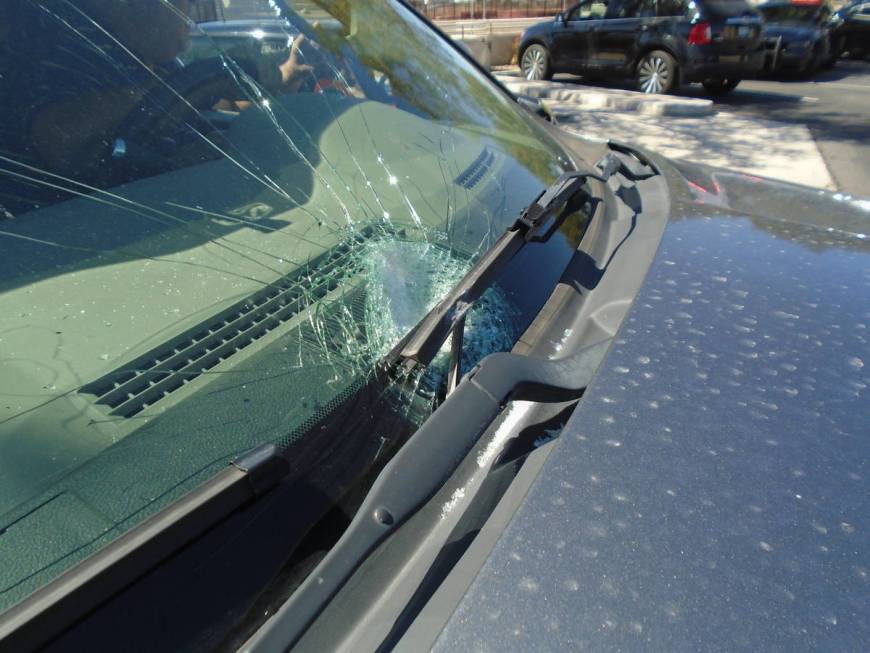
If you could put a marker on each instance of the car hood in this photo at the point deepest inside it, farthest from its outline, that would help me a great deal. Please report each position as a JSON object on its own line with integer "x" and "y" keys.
{"x": 537, "y": 30}
{"x": 711, "y": 487}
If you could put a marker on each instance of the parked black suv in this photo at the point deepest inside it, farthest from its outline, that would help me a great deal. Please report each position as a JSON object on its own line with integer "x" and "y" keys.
{"x": 661, "y": 43}
{"x": 850, "y": 30}
{"x": 798, "y": 32}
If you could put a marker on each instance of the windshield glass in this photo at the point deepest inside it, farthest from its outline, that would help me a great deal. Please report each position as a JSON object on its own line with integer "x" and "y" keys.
{"x": 789, "y": 13}
{"x": 215, "y": 218}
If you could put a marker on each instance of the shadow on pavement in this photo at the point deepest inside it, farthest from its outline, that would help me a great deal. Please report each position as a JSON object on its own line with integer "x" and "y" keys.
{"x": 732, "y": 142}
{"x": 831, "y": 108}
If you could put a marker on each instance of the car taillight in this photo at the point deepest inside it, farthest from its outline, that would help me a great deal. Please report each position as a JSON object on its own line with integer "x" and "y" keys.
{"x": 700, "y": 34}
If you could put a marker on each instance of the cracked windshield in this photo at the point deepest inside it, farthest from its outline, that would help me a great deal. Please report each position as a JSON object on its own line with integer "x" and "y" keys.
{"x": 216, "y": 218}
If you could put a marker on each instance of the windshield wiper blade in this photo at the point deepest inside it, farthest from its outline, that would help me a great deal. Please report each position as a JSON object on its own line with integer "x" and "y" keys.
{"x": 426, "y": 461}
{"x": 536, "y": 223}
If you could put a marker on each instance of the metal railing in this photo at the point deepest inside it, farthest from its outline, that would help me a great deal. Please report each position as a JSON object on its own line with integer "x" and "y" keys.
{"x": 470, "y": 28}
{"x": 488, "y": 9}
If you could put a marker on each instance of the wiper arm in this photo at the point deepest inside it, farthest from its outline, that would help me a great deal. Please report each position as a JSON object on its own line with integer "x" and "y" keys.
{"x": 426, "y": 461}
{"x": 421, "y": 467}
{"x": 536, "y": 223}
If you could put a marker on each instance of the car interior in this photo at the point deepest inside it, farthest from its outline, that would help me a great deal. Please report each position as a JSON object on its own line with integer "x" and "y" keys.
{"x": 280, "y": 242}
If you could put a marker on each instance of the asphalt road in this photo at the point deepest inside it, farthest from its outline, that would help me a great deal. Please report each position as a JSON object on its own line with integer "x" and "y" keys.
{"x": 834, "y": 105}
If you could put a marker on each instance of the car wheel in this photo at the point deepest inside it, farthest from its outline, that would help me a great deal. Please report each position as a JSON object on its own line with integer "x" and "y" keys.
{"x": 656, "y": 72}
{"x": 535, "y": 62}
{"x": 819, "y": 57}
{"x": 810, "y": 69}
{"x": 719, "y": 86}
{"x": 838, "y": 47}
{"x": 835, "y": 51}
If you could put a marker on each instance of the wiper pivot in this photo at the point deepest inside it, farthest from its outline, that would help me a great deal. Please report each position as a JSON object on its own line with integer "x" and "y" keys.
{"x": 558, "y": 201}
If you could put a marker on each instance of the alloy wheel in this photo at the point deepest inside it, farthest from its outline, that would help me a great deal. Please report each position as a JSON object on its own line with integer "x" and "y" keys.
{"x": 534, "y": 63}
{"x": 654, "y": 74}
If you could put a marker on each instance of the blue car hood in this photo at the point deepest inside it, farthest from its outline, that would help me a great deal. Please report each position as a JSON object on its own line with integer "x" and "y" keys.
{"x": 710, "y": 491}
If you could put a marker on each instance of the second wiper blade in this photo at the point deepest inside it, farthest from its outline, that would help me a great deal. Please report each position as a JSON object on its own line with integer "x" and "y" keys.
{"x": 536, "y": 223}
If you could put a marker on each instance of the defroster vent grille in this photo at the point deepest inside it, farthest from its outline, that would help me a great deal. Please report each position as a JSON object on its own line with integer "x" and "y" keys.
{"x": 130, "y": 389}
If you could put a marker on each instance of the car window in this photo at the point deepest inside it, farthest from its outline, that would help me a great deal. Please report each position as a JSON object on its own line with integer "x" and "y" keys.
{"x": 592, "y": 10}
{"x": 620, "y": 9}
{"x": 647, "y": 8}
{"x": 724, "y": 8}
{"x": 631, "y": 9}
{"x": 215, "y": 220}
{"x": 672, "y": 7}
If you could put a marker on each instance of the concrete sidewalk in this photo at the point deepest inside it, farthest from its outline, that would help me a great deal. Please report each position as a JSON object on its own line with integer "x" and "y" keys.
{"x": 683, "y": 128}
{"x": 764, "y": 148}
{"x": 592, "y": 97}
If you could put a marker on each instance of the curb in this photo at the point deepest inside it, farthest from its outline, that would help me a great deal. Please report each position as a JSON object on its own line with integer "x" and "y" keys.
{"x": 587, "y": 97}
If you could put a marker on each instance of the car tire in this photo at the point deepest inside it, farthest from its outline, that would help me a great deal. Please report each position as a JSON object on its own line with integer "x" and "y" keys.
{"x": 810, "y": 69}
{"x": 838, "y": 47}
{"x": 719, "y": 86}
{"x": 656, "y": 72}
{"x": 818, "y": 60}
{"x": 535, "y": 62}
{"x": 835, "y": 50}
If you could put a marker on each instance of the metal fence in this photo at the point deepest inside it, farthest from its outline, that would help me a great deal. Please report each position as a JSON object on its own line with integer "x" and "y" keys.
{"x": 488, "y": 9}
{"x": 206, "y": 10}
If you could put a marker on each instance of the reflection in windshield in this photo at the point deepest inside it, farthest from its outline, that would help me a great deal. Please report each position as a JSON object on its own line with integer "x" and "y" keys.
{"x": 210, "y": 233}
